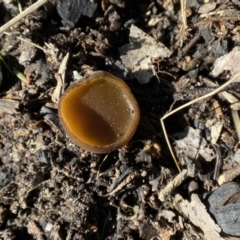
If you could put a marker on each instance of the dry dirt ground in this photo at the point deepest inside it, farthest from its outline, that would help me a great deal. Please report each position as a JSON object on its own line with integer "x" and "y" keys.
{"x": 169, "y": 53}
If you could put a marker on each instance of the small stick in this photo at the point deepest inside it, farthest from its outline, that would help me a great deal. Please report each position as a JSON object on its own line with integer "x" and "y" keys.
{"x": 219, "y": 89}
{"x": 171, "y": 186}
{"x": 190, "y": 44}
{"x": 236, "y": 122}
{"x": 23, "y": 14}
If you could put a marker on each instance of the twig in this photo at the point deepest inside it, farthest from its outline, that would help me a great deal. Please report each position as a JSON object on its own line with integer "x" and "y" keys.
{"x": 219, "y": 89}
{"x": 23, "y": 14}
{"x": 190, "y": 44}
{"x": 165, "y": 192}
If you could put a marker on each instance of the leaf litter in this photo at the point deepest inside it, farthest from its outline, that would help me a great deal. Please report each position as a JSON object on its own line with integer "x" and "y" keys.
{"x": 51, "y": 189}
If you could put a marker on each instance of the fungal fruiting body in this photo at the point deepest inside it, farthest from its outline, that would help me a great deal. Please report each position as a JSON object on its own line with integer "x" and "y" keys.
{"x": 99, "y": 112}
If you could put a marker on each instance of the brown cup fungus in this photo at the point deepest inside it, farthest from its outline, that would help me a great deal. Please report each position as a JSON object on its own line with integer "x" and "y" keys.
{"x": 99, "y": 112}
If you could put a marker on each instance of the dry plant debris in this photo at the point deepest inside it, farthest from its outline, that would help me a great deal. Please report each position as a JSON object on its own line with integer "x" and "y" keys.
{"x": 185, "y": 54}
{"x": 193, "y": 145}
{"x": 228, "y": 62}
{"x": 137, "y": 55}
{"x": 196, "y": 212}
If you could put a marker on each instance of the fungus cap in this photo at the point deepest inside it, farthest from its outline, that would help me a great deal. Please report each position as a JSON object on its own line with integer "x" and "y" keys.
{"x": 99, "y": 113}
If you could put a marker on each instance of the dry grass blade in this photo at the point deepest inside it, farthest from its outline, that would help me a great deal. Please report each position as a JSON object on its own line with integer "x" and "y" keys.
{"x": 219, "y": 89}
{"x": 30, "y": 43}
{"x": 23, "y": 14}
{"x": 184, "y": 31}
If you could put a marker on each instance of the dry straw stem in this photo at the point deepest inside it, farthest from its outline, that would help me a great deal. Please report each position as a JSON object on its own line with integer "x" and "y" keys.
{"x": 184, "y": 30}
{"x": 183, "y": 11}
{"x": 219, "y": 89}
{"x": 23, "y": 14}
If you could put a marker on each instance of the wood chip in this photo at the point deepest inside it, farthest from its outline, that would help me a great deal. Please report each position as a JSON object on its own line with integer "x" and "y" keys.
{"x": 171, "y": 186}
{"x": 229, "y": 175}
{"x": 9, "y": 106}
{"x": 196, "y": 212}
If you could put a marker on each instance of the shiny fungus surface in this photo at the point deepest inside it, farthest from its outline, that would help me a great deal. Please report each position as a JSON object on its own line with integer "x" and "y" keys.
{"x": 99, "y": 112}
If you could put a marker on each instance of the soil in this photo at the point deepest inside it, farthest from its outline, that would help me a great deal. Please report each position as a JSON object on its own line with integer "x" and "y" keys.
{"x": 52, "y": 189}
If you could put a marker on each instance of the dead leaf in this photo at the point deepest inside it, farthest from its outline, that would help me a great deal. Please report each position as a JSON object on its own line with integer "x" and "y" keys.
{"x": 196, "y": 212}
{"x": 215, "y": 127}
{"x": 194, "y": 145}
{"x": 228, "y": 62}
{"x": 137, "y": 55}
